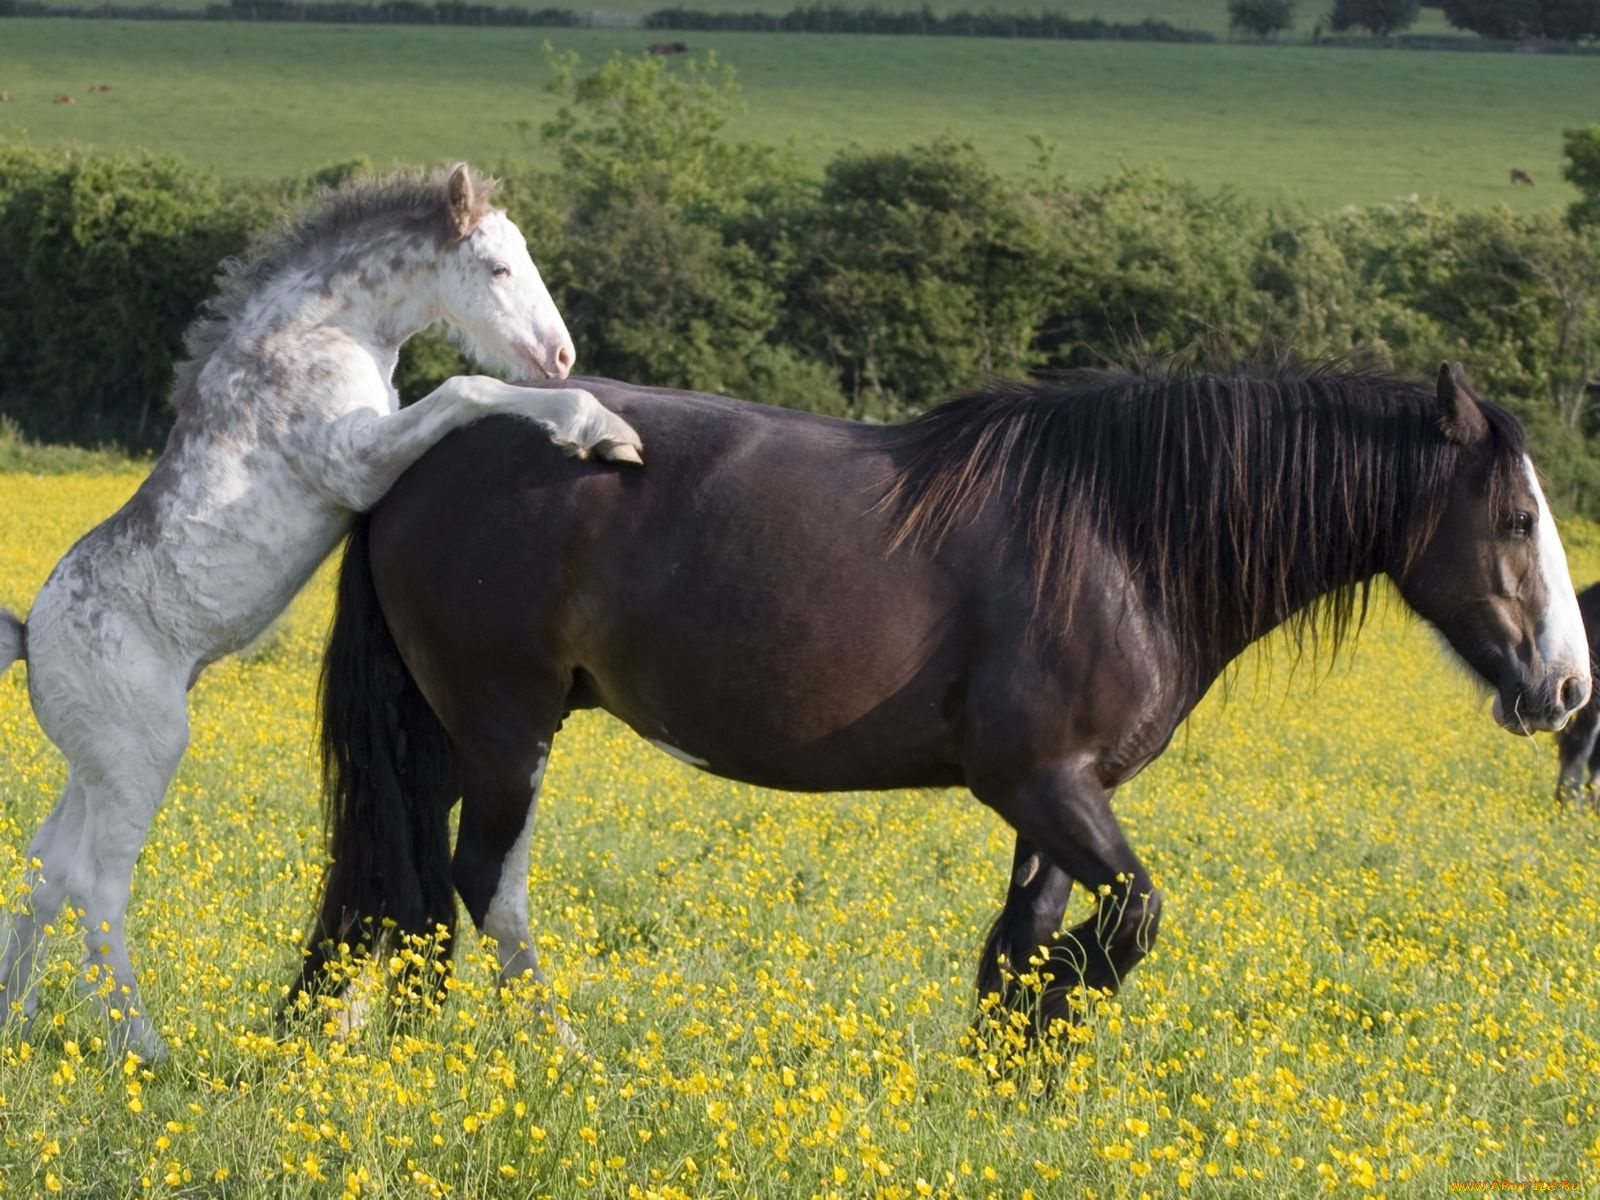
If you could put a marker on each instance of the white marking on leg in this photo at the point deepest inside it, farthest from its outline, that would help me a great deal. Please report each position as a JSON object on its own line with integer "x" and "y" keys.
{"x": 1560, "y": 637}
{"x": 506, "y": 920}
{"x": 350, "y": 1016}
{"x": 680, "y": 755}
{"x": 1025, "y": 872}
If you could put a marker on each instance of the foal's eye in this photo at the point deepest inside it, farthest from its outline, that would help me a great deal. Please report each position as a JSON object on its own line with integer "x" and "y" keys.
{"x": 500, "y": 271}
{"x": 1521, "y": 524}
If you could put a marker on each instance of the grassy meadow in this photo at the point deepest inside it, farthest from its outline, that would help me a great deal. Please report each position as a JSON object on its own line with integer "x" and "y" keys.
{"x": 1378, "y": 971}
{"x": 1321, "y": 126}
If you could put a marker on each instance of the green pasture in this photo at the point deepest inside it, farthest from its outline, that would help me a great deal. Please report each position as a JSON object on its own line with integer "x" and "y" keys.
{"x": 1376, "y": 974}
{"x": 1325, "y": 126}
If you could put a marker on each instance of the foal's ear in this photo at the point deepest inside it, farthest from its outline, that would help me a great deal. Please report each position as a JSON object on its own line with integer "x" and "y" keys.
{"x": 464, "y": 212}
{"x": 1460, "y": 417}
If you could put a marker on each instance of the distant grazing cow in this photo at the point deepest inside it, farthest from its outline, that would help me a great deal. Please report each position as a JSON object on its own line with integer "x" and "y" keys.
{"x": 101, "y": 87}
{"x": 1518, "y": 175}
{"x": 4, "y": 96}
{"x": 63, "y": 98}
{"x": 668, "y": 47}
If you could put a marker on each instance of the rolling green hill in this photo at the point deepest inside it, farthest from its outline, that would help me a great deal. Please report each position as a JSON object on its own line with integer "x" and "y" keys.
{"x": 1325, "y": 126}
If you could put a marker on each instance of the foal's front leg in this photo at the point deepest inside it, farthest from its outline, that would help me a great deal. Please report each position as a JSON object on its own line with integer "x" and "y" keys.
{"x": 1064, "y": 813}
{"x": 356, "y": 458}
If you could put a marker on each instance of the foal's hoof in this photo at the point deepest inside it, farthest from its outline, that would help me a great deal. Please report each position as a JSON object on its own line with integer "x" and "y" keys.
{"x": 619, "y": 452}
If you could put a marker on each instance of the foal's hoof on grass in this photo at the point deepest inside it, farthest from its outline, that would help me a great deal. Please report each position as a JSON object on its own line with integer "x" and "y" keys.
{"x": 146, "y": 1044}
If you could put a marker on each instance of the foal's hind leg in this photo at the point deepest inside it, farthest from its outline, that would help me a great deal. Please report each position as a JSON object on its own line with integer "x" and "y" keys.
{"x": 124, "y": 728}
{"x": 53, "y": 849}
{"x": 121, "y": 802}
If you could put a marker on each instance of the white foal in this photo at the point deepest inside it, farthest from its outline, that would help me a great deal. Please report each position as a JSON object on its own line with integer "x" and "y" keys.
{"x": 287, "y": 425}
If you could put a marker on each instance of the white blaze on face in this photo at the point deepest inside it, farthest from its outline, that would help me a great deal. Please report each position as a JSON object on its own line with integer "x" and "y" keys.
{"x": 1560, "y": 637}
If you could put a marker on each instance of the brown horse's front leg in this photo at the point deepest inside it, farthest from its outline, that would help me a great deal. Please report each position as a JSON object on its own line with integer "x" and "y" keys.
{"x": 1065, "y": 814}
{"x": 1036, "y": 900}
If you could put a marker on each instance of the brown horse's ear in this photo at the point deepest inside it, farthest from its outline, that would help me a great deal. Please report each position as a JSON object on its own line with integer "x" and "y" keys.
{"x": 464, "y": 212}
{"x": 1460, "y": 417}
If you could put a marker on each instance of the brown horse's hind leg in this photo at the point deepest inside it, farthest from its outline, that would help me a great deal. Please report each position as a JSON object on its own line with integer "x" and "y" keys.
{"x": 1035, "y": 903}
{"x": 499, "y": 803}
{"x": 1064, "y": 811}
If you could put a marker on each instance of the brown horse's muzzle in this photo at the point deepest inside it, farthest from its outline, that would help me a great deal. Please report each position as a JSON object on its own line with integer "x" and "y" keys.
{"x": 1547, "y": 705}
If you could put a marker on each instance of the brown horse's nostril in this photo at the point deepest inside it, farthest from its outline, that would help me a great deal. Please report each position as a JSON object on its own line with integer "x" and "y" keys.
{"x": 1574, "y": 691}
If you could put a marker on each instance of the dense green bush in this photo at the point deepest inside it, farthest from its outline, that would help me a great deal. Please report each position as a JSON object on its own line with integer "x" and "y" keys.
{"x": 681, "y": 257}
{"x": 105, "y": 259}
{"x": 1581, "y": 149}
{"x": 1261, "y": 19}
{"x": 914, "y": 273}
{"x": 1382, "y": 17}
{"x": 1564, "y": 20}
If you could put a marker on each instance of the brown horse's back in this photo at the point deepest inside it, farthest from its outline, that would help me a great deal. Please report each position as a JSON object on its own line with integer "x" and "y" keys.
{"x": 805, "y": 676}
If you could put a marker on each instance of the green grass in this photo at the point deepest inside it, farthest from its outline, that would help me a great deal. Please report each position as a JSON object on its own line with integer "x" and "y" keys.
{"x": 20, "y": 456}
{"x": 1377, "y": 967}
{"x": 1328, "y": 127}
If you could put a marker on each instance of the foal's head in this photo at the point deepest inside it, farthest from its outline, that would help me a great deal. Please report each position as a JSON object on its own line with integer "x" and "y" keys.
{"x": 1490, "y": 573}
{"x": 491, "y": 292}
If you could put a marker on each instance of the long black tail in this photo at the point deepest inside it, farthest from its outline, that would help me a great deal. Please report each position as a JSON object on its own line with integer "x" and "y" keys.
{"x": 389, "y": 780}
{"x": 13, "y": 638}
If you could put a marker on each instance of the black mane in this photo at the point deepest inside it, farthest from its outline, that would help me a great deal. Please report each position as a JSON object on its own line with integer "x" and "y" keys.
{"x": 1236, "y": 498}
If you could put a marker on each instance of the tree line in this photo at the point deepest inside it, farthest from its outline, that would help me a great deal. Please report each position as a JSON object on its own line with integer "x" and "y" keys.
{"x": 684, "y": 258}
{"x": 1502, "y": 20}
{"x": 812, "y": 18}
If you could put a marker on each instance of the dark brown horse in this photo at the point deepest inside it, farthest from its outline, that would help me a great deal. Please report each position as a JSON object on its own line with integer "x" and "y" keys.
{"x": 1023, "y": 592}
{"x": 1580, "y": 740}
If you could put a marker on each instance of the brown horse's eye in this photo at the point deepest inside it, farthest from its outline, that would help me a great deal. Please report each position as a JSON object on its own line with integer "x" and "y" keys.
{"x": 1521, "y": 524}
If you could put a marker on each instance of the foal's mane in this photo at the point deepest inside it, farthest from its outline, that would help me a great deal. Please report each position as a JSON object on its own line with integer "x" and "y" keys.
{"x": 1231, "y": 497}
{"x": 400, "y": 202}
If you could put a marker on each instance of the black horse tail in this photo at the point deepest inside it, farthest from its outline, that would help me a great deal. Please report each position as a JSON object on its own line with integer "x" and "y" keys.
{"x": 389, "y": 781}
{"x": 13, "y": 638}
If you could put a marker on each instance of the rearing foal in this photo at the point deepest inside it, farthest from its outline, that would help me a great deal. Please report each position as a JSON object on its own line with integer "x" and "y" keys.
{"x": 1024, "y": 591}
{"x": 287, "y": 426}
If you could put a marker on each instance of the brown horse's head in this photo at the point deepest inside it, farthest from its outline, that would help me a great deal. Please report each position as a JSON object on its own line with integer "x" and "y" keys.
{"x": 1489, "y": 573}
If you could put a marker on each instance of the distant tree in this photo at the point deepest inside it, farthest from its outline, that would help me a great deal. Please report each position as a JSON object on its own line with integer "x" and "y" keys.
{"x": 1494, "y": 18}
{"x": 1565, "y": 20}
{"x": 1569, "y": 20}
{"x": 1260, "y": 18}
{"x": 1581, "y": 149}
{"x": 1382, "y": 17}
